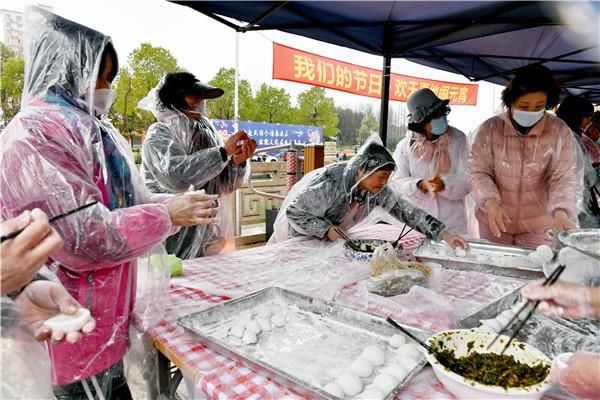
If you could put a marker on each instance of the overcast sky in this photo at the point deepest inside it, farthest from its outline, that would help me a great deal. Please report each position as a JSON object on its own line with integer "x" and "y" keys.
{"x": 202, "y": 46}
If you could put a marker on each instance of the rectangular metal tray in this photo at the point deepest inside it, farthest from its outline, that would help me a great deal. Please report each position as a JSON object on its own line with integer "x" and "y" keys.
{"x": 484, "y": 257}
{"x": 552, "y": 336}
{"x": 318, "y": 343}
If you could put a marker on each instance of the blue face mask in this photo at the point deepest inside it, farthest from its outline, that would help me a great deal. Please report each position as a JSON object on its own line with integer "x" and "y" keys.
{"x": 439, "y": 126}
{"x": 527, "y": 119}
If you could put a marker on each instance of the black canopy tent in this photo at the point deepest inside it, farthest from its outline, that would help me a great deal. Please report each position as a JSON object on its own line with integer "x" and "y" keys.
{"x": 481, "y": 40}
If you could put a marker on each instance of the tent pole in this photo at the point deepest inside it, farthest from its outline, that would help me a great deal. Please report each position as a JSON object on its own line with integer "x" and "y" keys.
{"x": 385, "y": 78}
{"x": 236, "y": 121}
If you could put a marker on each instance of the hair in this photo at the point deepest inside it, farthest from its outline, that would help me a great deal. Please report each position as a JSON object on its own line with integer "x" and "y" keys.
{"x": 109, "y": 50}
{"x": 387, "y": 167}
{"x": 595, "y": 118}
{"x": 419, "y": 127}
{"x": 531, "y": 79}
{"x": 573, "y": 109}
{"x": 176, "y": 86}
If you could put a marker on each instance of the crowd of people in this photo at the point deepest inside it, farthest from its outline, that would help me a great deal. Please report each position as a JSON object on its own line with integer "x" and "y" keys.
{"x": 526, "y": 170}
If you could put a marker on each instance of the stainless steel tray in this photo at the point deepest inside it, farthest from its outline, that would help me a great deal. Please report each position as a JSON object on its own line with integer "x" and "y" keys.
{"x": 488, "y": 258}
{"x": 586, "y": 241}
{"x": 552, "y": 336}
{"x": 318, "y": 343}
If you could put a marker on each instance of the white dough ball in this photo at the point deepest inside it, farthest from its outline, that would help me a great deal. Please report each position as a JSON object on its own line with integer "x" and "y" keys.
{"x": 397, "y": 371}
{"x": 508, "y": 313}
{"x": 249, "y": 337}
{"x": 350, "y": 383}
{"x": 278, "y": 320}
{"x": 545, "y": 252}
{"x": 492, "y": 324}
{"x": 221, "y": 333}
{"x": 371, "y": 393}
{"x": 361, "y": 367}
{"x": 503, "y": 319}
{"x": 386, "y": 383}
{"x": 407, "y": 362}
{"x": 237, "y": 330}
{"x": 460, "y": 252}
{"x": 374, "y": 354}
{"x": 485, "y": 328}
{"x": 265, "y": 313}
{"x": 410, "y": 349}
{"x": 265, "y": 324}
{"x": 253, "y": 326}
{"x": 334, "y": 389}
{"x": 397, "y": 340}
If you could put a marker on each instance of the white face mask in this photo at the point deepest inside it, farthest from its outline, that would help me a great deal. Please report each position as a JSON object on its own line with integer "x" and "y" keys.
{"x": 527, "y": 119}
{"x": 103, "y": 99}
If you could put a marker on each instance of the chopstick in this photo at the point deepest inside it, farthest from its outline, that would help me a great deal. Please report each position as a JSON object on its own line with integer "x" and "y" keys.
{"x": 553, "y": 278}
{"x": 431, "y": 350}
{"x": 344, "y": 236}
{"x": 55, "y": 218}
{"x": 402, "y": 234}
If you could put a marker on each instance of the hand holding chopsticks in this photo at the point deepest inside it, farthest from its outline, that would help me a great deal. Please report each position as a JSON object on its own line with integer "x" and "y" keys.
{"x": 549, "y": 281}
{"x": 55, "y": 218}
{"x": 345, "y": 236}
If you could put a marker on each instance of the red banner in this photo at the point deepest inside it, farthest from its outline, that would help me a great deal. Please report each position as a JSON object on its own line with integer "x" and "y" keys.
{"x": 300, "y": 66}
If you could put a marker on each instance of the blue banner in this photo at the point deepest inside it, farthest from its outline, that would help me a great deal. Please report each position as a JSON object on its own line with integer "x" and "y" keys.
{"x": 267, "y": 134}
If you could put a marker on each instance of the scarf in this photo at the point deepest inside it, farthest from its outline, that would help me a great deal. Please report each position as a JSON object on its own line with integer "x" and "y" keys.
{"x": 426, "y": 150}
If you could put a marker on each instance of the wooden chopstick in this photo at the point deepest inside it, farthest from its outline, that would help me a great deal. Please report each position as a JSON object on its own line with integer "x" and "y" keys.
{"x": 555, "y": 275}
{"x": 55, "y": 218}
{"x": 344, "y": 236}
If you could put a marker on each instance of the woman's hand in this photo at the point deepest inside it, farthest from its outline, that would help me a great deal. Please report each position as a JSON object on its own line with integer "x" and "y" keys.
{"x": 193, "y": 208}
{"x": 42, "y": 300}
{"x": 244, "y": 151}
{"x": 231, "y": 144}
{"x": 454, "y": 240}
{"x": 561, "y": 221}
{"x": 497, "y": 217}
{"x": 22, "y": 256}
{"x": 578, "y": 374}
{"x": 564, "y": 299}
{"x": 332, "y": 234}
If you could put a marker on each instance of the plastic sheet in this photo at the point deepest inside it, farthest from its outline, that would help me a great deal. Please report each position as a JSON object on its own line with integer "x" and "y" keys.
{"x": 447, "y": 205}
{"x": 25, "y": 366}
{"x": 178, "y": 152}
{"x": 530, "y": 177}
{"x": 318, "y": 269}
{"x": 327, "y": 196}
{"x": 57, "y": 156}
{"x": 140, "y": 366}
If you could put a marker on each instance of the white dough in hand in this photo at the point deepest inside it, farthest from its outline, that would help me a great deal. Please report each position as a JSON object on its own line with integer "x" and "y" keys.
{"x": 460, "y": 252}
{"x": 69, "y": 323}
{"x": 350, "y": 383}
{"x": 374, "y": 355}
{"x": 361, "y": 367}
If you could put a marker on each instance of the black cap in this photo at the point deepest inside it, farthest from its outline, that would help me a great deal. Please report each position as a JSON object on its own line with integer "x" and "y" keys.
{"x": 204, "y": 90}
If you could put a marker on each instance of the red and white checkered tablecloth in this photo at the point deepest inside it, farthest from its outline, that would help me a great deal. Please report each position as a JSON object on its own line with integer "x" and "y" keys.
{"x": 450, "y": 296}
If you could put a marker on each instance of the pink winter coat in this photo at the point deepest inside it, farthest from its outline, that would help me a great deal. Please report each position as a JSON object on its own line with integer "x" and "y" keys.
{"x": 530, "y": 176}
{"x": 54, "y": 155}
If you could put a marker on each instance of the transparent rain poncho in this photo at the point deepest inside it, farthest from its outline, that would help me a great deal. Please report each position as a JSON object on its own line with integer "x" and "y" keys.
{"x": 330, "y": 196}
{"x": 179, "y": 152}
{"x": 55, "y": 155}
{"x": 530, "y": 176}
{"x": 413, "y": 166}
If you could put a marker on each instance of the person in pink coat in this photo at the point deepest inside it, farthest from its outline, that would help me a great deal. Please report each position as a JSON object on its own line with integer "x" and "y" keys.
{"x": 60, "y": 152}
{"x": 522, "y": 167}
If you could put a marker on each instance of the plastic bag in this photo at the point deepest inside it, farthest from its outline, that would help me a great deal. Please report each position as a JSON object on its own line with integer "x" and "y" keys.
{"x": 25, "y": 365}
{"x": 153, "y": 275}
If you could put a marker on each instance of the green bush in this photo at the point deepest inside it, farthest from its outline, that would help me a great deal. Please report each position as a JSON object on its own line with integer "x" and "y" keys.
{"x": 137, "y": 157}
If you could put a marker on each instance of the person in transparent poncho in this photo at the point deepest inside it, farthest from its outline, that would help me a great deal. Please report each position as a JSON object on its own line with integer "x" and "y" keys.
{"x": 344, "y": 193}
{"x": 60, "y": 152}
{"x": 432, "y": 162}
{"x": 522, "y": 169}
{"x": 183, "y": 148}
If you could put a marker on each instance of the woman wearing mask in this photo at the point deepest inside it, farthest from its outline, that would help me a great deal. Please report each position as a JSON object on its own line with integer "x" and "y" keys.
{"x": 59, "y": 153}
{"x": 342, "y": 194}
{"x": 522, "y": 167}
{"x": 183, "y": 148}
{"x": 432, "y": 162}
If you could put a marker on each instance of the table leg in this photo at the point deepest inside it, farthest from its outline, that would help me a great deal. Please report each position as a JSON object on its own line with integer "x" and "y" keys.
{"x": 169, "y": 377}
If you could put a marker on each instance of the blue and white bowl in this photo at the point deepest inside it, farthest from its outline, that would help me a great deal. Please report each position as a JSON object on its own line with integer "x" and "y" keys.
{"x": 369, "y": 246}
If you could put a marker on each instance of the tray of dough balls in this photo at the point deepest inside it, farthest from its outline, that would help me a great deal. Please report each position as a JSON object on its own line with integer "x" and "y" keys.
{"x": 489, "y": 258}
{"x": 552, "y": 336}
{"x": 316, "y": 348}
